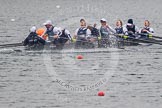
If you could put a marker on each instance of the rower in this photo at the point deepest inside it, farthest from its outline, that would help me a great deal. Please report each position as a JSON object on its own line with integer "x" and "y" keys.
{"x": 94, "y": 30}
{"x": 56, "y": 35}
{"x": 130, "y": 28}
{"x": 62, "y": 38}
{"x": 95, "y": 35}
{"x": 105, "y": 31}
{"x": 33, "y": 40}
{"x": 146, "y": 30}
{"x": 51, "y": 32}
{"x": 82, "y": 34}
{"x": 119, "y": 30}
{"x": 119, "y": 27}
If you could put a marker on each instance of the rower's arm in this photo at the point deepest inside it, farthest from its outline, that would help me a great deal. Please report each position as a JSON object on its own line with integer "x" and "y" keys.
{"x": 137, "y": 29}
{"x": 88, "y": 33}
{"x": 125, "y": 29}
{"x": 75, "y": 34}
{"x": 112, "y": 30}
{"x": 67, "y": 32}
{"x": 151, "y": 31}
{"x": 57, "y": 32}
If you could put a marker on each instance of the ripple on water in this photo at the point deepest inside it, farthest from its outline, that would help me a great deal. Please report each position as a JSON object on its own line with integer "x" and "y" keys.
{"x": 6, "y": 51}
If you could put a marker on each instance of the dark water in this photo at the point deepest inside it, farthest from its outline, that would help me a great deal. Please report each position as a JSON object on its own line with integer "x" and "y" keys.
{"x": 130, "y": 77}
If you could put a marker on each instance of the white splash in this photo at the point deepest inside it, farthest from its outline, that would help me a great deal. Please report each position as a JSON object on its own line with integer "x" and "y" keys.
{"x": 58, "y": 6}
{"x": 12, "y": 20}
{"x": 6, "y": 51}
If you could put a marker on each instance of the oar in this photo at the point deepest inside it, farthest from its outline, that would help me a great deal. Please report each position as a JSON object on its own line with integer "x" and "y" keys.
{"x": 139, "y": 40}
{"x": 150, "y": 35}
{"x": 157, "y": 37}
{"x": 11, "y": 45}
{"x": 86, "y": 41}
{"x": 147, "y": 41}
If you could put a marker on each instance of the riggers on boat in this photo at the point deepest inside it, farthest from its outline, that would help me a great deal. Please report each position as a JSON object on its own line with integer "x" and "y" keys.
{"x": 139, "y": 39}
{"x": 59, "y": 46}
{"x": 113, "y": 40}
{"x": 118, "y": 41}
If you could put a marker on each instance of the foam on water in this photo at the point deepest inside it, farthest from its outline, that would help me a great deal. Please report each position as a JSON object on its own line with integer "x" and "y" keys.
{"x": 6, "y": 51}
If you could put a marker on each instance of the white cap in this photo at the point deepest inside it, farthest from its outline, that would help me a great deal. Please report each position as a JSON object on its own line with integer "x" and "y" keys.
{"x": 48, "y": 22}
{"x": 33, "y": 29}
{"x": 129, "y": 24}
{"x": 103, "y": 19}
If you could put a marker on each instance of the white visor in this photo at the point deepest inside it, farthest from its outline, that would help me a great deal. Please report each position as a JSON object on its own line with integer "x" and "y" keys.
{"x": 103, "y": 19}
{"x": 48, "y": 22}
